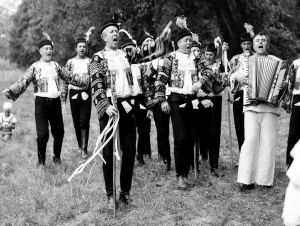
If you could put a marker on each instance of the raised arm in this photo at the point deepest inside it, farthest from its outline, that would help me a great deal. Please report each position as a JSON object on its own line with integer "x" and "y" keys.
{"x": 15, "y": 90}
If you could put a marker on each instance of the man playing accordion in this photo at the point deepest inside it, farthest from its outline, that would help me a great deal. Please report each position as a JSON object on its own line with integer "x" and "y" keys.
{"x": 257, "y": 158}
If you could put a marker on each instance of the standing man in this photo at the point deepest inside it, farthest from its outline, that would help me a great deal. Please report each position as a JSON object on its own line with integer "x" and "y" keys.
{"x": 45, "y": 75}
{"x": 80, "y": 99}
{"x": 111, "y": 78}
{"x": 212, "y": 114}
{"x": 180, "y": 71}
{"x": 161, "y": 119}
{"x": 238, "y": 98}
{"x": 294, "y": 130}
{"x": 257, "y": 157}
{"x": 143, "y": 122}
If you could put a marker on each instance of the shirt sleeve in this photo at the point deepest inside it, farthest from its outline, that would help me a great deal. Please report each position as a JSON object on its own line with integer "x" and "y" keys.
{"x": 163, "y": 77}
{"x": 73, "y": 79}
{"x": 98, "y": 72}
{"x": 21, "y": 85}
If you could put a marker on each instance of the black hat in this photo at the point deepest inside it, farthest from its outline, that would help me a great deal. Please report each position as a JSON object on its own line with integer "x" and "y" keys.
{"x": 44, "y": 42}
{"x": 143, "y": 37}
{"x": 211, "y": 47}
{"x": 109, "y": 22}
{"x": 80, "y": 40}
{"x": 245, "y": 37}
{"x": 125, "y": 39}
{"x": 126, "y": 42}
{"x": 196, "y": 44}
{"x": 182, "y": 32}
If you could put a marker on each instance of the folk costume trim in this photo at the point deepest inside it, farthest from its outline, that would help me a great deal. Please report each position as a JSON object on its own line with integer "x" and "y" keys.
{"x": 77, "y": 67}
{"x": 177, "y": 76}
{"x": 34, "y": 74}
{"x": 105, "y": 68}
{"x": 149, "y": 76}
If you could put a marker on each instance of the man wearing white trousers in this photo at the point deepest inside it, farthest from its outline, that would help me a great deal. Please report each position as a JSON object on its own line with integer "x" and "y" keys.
{"x": 257, "y": 158}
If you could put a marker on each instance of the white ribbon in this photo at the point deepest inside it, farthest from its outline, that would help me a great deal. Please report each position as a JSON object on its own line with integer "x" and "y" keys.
{"x": 101, "y": 142}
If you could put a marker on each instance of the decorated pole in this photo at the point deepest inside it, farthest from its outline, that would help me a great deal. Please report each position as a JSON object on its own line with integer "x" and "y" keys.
{"x": 116, "y": 146}
{"x": 225, "y": 61}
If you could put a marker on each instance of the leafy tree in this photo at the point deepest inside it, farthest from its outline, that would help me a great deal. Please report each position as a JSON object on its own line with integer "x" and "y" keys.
{"x": 64, "y": 20}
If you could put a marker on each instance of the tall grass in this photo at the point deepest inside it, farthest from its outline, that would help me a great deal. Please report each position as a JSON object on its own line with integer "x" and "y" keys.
{"x": 31, "y": 196}
{"x": 6, "y": 65}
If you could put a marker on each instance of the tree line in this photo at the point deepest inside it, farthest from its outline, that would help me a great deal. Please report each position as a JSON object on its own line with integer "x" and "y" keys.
{"x": 64, "y": 20}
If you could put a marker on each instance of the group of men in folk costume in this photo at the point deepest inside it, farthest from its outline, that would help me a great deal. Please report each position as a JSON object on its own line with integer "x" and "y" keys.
{"x": 183, "y": 85}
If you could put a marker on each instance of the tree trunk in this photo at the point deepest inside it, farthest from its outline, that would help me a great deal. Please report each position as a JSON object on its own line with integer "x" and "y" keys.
{"x": 227, "y": 24}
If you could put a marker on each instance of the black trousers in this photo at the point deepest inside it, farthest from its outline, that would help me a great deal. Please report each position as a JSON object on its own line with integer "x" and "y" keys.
{"x": 238, "y": 116}
{"x": 184, "y": 131}
{"x": 143, "y": 124}
{"x": 204, "y": 127}
{"x": 212, "y": 125}
{"x": 127, "y": 130}
{"x": 81, "y": 113}
{"x": 162, "y": 122}
{"x": 294, "y": 130}
{"x": 48, "y": 110}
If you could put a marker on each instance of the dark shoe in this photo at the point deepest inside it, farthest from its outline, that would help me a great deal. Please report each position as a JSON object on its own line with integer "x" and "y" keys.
{"x": 246, "y": 187}
{"x": 167, "y": 165}
{"x": 181, "y": 185}
{"x": 40, "y": 165}
{"x": 111, "y": 204}
{"x": 216, "y": 173}
{"x": 84, "y": 154}
{"x": 124, "y": 198}
{"x": 56, "y": 160}
{"x": 188, "y": 183}
{"x": 265, "y": 186}
{"x": 140, "y": 159}
{"x": 148, "y": 155}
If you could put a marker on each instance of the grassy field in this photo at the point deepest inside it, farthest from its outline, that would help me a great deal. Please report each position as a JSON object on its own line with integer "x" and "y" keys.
{"x": 31, "y": 196}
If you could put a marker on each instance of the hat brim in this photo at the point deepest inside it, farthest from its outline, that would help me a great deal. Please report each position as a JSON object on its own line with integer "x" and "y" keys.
{"x": 109, "y": 24}
{"x": 182, "y": 35}
{"x": 45, "y": 44}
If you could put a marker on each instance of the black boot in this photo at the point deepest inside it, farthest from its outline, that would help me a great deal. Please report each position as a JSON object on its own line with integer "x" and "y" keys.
{"x": 83, "y": 141}
{"x": 124, "y": 198}
{"x": 140, "y": 159}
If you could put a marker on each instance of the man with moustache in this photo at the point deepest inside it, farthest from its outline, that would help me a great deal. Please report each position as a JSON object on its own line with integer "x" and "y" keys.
{"x": 257, "y": 157}
{"x": 246, "y": 46}
{"x": 80, "y": 99}
{"x": 45, "y": 75}
{"x": 111, "y": 77}
{"x": 180, "y": 71}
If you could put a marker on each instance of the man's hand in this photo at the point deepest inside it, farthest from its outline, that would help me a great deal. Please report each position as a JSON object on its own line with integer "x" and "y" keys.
{"x": 111, "y": 110}
{"x": 239, "y": 77}
{"x": 197, "y": 87}
{"x": 6, "y": 93}
{"x": 225, "y": 46}
{"x": 165, "y": 107}
{"x": 207, "y": 103}
{"x": 201, "y": 93}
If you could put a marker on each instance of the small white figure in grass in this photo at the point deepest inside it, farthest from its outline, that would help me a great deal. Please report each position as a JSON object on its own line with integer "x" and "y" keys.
{"x": 7, "y": 121}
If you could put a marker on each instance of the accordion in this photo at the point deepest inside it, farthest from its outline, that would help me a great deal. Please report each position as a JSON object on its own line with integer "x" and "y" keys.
{"x": 266, "y": 77}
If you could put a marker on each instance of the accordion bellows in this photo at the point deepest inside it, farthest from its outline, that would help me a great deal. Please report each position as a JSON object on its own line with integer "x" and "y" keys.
{"x": 266, "y": 76}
